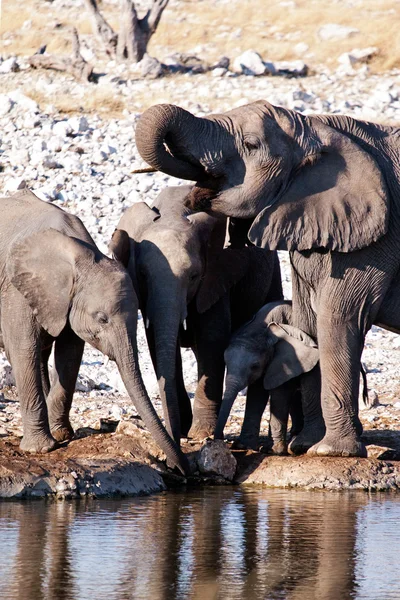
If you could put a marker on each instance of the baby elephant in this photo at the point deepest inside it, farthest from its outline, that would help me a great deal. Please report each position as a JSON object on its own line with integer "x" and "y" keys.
{"x": 267, "y": 353}
{"x": 57, "y": 287}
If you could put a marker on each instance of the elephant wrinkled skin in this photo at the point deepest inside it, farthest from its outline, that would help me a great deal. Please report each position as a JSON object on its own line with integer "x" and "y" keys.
{"x": 58, "y": 288}
{"x": 324, "y": 187}
{"x": 193, "y": 291}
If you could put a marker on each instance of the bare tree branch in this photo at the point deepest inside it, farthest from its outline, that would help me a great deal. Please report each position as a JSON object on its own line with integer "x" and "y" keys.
{"x": 153, "y": 16}
{"x": 101, "y": 28}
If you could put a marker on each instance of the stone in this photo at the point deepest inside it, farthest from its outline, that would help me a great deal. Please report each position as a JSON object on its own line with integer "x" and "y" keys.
{"x": 219, "y": 72}
{"x": 216, "y": 458}
{"x": 301, "y": 48}
{"x": 6, "y": 104}
{"x": 55, "y": 144}
{"x": 10, "y": 65}
{"x": 294, "y": 68}
{"x": 357, "y": 56}
{"x": 78, "y": 124}
{"x": 150, "y": 67}
{"x": 333, "y": 31}
{"x": 223, "y": 63}
{"x": 24, "y": 101}
{"x": 249, "y": 63}
{"x": 62, "y": 129}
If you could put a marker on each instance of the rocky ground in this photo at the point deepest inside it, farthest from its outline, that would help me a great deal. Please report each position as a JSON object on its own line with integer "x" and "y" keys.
{"x": 82, "y": 160}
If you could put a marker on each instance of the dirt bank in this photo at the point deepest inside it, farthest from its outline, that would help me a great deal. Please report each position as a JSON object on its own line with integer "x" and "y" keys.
{"x": 112, "y": 464}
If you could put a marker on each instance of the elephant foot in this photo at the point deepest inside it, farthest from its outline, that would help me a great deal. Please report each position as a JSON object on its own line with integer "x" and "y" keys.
{"x": 202, "y": 429}
{"x": 307, "y": 438}
{"x": 62, "y": 434}
{"x": 38, "y": 444}
{"x": 279, "y": 448}
{"x": 334, "y": 445}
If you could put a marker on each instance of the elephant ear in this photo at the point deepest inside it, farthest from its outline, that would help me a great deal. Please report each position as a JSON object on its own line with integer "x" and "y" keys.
{"x": 119, "y": 246}
{"x": 137, "y": 219}
{"x": 295, "y": 353}
{"x": 336, "y": 200}
{"x": 224, "y": 266}
{"x": 41, "y": 267}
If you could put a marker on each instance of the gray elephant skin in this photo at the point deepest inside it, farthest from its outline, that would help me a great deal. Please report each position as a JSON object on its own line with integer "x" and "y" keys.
{"x": 268, "y": 355}
{"x": 324, "y": 187}
{"x": 193, "y": 292}
{"x": 58, "y": 288}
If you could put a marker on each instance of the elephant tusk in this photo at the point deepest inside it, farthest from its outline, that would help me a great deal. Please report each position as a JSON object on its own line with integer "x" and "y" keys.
{"x": 184, "y": 324}
{"x": 147, "y": 323}
{"x": 106, "y": 361}
{"x": 145, "y": 170}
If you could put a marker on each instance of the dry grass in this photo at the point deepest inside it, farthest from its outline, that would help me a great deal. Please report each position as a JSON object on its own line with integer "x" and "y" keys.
{"x": 215, "y": 29}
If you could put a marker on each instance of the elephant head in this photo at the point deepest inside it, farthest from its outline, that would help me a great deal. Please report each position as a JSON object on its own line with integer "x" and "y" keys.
{"x": 308, "y": 184}
{"x": 278, "y": 353}
{"x": 66, "y": 280}
{"x": 176, "y": 260}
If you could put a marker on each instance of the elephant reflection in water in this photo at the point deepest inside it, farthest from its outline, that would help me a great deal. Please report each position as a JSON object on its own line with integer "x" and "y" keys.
{"x": 243, "y": 545}
{"x": 209, "y": 544}
{"x": 42, "y": 565}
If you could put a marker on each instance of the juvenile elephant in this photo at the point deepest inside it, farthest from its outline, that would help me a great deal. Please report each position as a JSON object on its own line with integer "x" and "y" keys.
{"x": 324, "y": 187}
{"x": 192, "y": 292}
{"x": 57, "y": 287}
{"x": 267, "y": 355}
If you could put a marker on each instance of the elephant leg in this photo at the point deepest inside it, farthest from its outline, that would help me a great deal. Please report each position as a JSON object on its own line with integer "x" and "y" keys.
{"x": 44, "y": 369}
{"x": 67, "y": 360}
{"x": 296, "y": 414}
{"x": 340, "y": 345}
{"x": 185, "y": 407}
{"x": 281, "y": 400}
{"x": 212, "y": 332}
{"x": 256, "y": 401}
{"x": 313, "y": 429}
{"x": 22, "y": 343}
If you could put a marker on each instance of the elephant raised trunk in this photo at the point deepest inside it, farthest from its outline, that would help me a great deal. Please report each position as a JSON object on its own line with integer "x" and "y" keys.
{"x": 168, "y": 125}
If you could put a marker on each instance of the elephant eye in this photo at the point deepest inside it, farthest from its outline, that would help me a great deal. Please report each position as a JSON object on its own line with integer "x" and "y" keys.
{"x": 251, "y": 143}
{"x": 101, "y": 318}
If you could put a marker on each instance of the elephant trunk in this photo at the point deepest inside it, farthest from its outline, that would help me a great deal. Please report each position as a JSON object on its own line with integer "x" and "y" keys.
{"x": 165, "y": 321}
{"x": 232, "y": 389}
{"x": 168, "y": 125}
{"x": 127, "y": 362}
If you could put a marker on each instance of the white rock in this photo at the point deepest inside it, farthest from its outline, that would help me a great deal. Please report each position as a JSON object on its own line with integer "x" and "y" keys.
{"x": 24, "y": 102}
{"x": 72, "y": 164}
{"x": 62, "y": 129}
{"x": 249, "y": 63}
{"x": 84, "y": 384}
{"x": 39, "y": 145}
{"x": 6, "y": 374}
{"x": 78, "y": 124}
{"x": 333, "y": 31}
{"x": 295, "y": 68}
{"x": 9, "y": 66}
{"x": 301, "y": 48}
{"x": 98, "y": 157}
{"x": 219, "y": 72}
{"x": 6, "y": 104}
{"x": 216, "y": 458}
{"x": 55, "y": 144}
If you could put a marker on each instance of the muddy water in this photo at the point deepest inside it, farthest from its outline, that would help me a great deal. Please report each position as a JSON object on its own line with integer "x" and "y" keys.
{"x": 216, "y": 543}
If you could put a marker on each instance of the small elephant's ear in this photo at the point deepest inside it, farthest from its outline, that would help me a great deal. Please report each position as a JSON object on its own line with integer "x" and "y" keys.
{"x": 137, "y": 219}
{"x": 119, "y": 246}
{"x": 295, "y": 353}
{"x": 336, "y": 200}
{"x": 41, "y": 267}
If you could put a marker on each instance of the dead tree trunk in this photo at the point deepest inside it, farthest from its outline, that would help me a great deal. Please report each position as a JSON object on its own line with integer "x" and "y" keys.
{"x": 134, "y": 35}
{"x": 76, "y": 65}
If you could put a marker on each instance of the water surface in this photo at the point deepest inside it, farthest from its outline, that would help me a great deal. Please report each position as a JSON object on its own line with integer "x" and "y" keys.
{"x": 213, "y": 543}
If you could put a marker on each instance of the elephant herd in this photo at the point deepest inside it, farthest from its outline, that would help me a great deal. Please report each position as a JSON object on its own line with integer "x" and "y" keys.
{"x": 201, "y": 264}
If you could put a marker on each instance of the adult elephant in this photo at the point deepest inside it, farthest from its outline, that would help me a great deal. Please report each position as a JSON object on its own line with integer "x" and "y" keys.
{"x": 324, "y": 187}
{"x": 57, "y": 289}
{"x": 192, "y": 292}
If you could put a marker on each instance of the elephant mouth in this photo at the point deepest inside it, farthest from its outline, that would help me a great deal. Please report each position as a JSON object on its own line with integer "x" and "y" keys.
{"x": 203, "y": 193}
